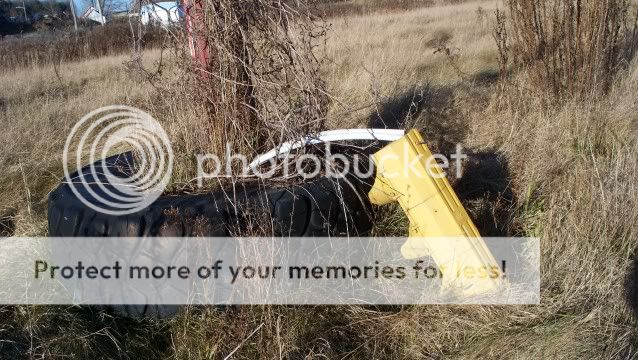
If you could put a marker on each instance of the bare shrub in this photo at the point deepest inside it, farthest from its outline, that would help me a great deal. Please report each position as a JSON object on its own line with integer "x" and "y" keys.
{"x": 565, "y": 48}
{"x": 254, "y": 81}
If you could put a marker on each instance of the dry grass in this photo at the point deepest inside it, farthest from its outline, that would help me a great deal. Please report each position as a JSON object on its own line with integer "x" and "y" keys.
{"x": 346, "y": 8}
{"x": 52, "y": 47}
{"x": 573, "y": 174}
{"x": 369, "y": 68}
{"x": 39, "y": 105}
{"x": 565, "y": 49}
{"x": 568, "y": 176}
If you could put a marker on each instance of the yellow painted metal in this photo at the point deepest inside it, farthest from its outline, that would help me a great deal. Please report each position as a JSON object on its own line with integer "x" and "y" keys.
{"x": 440, "y": 227}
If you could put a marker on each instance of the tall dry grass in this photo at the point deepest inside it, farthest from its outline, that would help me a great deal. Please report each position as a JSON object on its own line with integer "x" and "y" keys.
{"x": 569, "y": 170}
{"x": 347, "y": 8}
{"x": 380, "y": 57}
{"x": 38, "y": 107}
{"x": 573, "y": 172}
{"x": 565, "y": 48}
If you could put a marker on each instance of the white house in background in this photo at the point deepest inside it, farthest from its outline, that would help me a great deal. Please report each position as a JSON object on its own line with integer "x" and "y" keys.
{"x": 92, "y": 14}
{"x": 163, "y": 13}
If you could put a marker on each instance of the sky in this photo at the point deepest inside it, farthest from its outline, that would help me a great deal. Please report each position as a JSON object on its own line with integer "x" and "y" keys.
{"x": 109, "y": 6}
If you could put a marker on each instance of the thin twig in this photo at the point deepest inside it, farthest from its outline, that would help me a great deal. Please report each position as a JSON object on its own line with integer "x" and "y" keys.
{"x": 243, "y": 341}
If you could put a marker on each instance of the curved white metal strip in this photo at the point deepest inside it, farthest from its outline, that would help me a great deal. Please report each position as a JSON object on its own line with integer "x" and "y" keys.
{"x": 327, "y": 136}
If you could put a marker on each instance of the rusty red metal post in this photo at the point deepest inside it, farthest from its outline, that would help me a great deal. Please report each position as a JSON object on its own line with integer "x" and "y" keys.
{"x": 195, "y": 14}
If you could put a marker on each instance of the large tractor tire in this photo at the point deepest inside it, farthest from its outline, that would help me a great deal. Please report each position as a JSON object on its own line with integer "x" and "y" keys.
{"x": 321, "y": 207}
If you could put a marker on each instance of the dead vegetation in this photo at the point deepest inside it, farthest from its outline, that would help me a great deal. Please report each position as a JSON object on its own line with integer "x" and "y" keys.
{"x": 255, "y": 82}
{"x": 565, "y": 49}
{"x": 261, "y": 74}
{"x": 53, "y": 47}
{"x": 344, "y": 8}
{"x": 566, "y": 173}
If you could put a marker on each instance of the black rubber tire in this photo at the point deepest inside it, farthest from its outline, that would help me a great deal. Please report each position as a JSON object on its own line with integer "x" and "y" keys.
{"x": 320, "y": 207}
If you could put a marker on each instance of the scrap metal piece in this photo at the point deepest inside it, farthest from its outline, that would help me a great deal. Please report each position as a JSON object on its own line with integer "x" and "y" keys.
{"x": 327, "y": 136}
{"x": 407, "y": 172}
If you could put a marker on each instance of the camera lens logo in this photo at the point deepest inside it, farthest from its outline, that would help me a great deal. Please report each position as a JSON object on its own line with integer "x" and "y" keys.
{"x": 117, "y": 187}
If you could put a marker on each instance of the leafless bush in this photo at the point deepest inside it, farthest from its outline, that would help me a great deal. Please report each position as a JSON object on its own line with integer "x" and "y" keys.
{"x": 255, "y": 82}
{"x": 565, "y": 48}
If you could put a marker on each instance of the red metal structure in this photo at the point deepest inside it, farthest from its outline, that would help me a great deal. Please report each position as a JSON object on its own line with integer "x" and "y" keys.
{"x": 195, "y": 27}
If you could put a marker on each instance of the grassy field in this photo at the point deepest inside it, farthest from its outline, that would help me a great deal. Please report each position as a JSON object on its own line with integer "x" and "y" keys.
{"x": 566, "y": 174}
